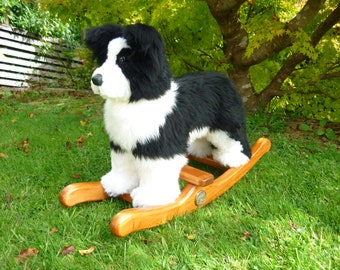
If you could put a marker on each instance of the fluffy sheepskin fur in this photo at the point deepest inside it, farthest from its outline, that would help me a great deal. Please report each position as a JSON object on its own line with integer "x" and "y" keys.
{"x": 153, "y": 119}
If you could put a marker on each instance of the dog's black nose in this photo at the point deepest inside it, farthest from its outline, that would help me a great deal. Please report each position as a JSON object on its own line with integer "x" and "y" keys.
{"x": 97, "y": 79}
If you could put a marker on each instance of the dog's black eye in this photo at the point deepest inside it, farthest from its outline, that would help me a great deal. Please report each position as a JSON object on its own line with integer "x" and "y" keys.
{"x": 121, "y": 59}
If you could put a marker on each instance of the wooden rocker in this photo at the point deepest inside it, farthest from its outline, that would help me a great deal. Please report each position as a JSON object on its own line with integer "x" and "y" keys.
{"x": 201, "y": 188}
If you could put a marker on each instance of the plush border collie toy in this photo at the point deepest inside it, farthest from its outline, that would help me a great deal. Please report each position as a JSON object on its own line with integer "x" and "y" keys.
{"x": 153, "y": 119}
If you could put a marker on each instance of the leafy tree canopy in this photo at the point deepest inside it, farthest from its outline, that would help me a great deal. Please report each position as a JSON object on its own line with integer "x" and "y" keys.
{"x": 281, "y": 54}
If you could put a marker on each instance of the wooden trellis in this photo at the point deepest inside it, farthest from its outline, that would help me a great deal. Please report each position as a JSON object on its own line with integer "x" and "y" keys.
{"x": 26, "y": 60}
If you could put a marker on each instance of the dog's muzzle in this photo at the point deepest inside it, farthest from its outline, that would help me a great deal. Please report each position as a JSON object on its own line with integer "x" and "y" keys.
{"x": 97, "y": 80}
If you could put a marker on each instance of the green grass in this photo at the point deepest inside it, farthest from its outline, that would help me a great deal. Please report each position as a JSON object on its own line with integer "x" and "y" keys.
{"x": 284, "y": 214}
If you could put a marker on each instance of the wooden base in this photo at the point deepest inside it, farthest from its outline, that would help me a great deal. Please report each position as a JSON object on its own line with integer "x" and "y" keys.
{"x": 201, "y": 189}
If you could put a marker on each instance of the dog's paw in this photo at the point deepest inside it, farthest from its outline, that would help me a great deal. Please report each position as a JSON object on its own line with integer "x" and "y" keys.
{"x": 231, "y": 159}
{"x": 116, "y": 184}
{"x": 144, "y": 197}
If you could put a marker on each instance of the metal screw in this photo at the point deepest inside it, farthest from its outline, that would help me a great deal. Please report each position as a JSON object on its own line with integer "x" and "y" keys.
{"x": 200, "y": 197}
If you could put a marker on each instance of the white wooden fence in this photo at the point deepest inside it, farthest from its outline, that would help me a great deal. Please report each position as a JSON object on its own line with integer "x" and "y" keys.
{"x": 27, "y": 61}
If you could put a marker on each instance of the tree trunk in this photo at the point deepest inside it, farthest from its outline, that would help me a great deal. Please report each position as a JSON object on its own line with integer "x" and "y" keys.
{"x": 235, "y": 42}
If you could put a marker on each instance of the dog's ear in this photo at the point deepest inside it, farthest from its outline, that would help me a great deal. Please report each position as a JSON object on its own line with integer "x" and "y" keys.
{"x": 145, "y": 41}
{"x": 149, "y": 73}
{"x": 98, "y": 38}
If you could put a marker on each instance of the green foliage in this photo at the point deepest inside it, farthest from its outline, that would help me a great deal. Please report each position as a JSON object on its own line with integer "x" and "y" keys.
{"x": 79, "y": 77}
{"x": 264, "y": 20}
{"x": 27, "y": 16}
{"x": 304, "y": 127}
{"x": 193, "y": 39}
{"x": 302, "y": 44}
{"x": 264, "y": 124}
{"x": 262, "y": 74}
{"x": 321, "y": 130}
{"x": 312, "y": 106}
{"x": 260, "y": 35}
{"x": 5, "y": 10}
{"x": 90, "y": 13}
{"x": 312, "y": 90}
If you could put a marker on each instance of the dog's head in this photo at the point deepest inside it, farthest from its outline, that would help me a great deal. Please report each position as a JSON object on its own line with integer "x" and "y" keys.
{"x": 132, "y": 62}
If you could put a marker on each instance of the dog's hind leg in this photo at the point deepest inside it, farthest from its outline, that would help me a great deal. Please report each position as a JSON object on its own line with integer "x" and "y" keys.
{"x": 227, "y": 151}
{"x": 198, "y": 145}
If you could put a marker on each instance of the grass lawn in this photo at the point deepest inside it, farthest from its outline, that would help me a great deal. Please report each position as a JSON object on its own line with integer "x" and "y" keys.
{"x": 284, "y": 214}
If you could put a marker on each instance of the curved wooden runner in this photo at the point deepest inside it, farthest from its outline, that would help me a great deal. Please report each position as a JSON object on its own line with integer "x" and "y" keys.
{"x": 201, "y": 189}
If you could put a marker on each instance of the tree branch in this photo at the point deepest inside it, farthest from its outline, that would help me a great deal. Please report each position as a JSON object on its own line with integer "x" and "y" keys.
{"x": 190, "y": 65}
{"x": 301, "y": 20}
{"x": 322, "y": 29}
{"x": 332, "y": 75}
{"x": 296, "y": 58}
{"x": 220, "y": 9}
{"x": 269, "y": 49}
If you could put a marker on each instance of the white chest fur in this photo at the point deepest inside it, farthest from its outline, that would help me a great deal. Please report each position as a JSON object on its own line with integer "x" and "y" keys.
{"x": 129, "y": 123}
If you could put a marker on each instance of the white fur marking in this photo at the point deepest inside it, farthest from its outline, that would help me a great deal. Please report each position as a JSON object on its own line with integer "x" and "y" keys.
{"x": 158, "y": 181}
{"x": 115, "y": 84}
{"x": 197, "y": 134}
{"x": 123, "y": 177}
{"x": 198, "y": 144}
{"x": 127, "y": 123}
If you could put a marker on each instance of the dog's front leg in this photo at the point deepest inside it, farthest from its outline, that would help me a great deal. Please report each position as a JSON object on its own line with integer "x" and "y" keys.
{"x": 122, "y": 178}
{"x": 158, "y": 181}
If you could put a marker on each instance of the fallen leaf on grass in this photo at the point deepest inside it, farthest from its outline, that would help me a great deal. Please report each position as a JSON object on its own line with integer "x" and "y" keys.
{"x": 191, "y": 236}
{"x": 68, "y": 145}
{"x": 81, "y": 141}
{"x": 9, "y": 198}
{"x": 25, "y": 145}
{"x": 146, "y": 241}
{"x": 246, "y": 235}
{"x": 67, "y": 250}
{"x": 75, "y": 176}
{"x": 26, "y": 254}
{"x": 14, "y": 121}
{"x": 83, "y": 123}
{"x": 292, "y": 225}
{"x": 54, "y": 230}
{"x": 83, "y": 252}
{"x": 2, "y": 155}
{"x": 31, "y": 115}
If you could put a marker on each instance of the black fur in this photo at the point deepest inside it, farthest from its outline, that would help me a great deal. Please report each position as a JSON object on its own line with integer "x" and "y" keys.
{"x": 97, "y": 39}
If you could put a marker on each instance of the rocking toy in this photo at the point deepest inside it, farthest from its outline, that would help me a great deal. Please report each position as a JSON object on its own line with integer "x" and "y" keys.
{"x": 201, "y": 189}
